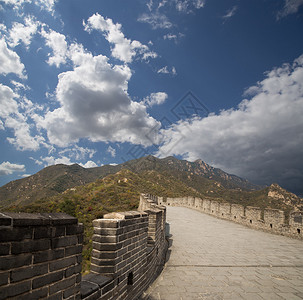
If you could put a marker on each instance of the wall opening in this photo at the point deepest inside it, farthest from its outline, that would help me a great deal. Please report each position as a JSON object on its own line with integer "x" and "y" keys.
{"x": 298, "y": 230}
{"x": 130, "y": 278}
{"x": 250, "y": 221}
{"x": 235, "y": 217}
{"x": 270, "y": 225}
{"x": 212, "y": 211}
{"x": 222, "y": 214}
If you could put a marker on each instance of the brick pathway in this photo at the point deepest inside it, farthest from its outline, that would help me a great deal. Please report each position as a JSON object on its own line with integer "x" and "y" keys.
{"x": 217, "y": 259}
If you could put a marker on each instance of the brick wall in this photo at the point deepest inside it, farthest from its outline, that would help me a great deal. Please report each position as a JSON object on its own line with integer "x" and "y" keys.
{"x": 40, "y": 256}
{"x": 129, "y": 251}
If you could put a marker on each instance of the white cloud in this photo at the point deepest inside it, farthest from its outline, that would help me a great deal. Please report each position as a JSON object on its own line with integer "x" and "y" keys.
{"x": 57, "y": 42}
{"x": 89, "y": 164}
{"x": 7, "y": 168}
{"x": 94, "y": 104}
{"x": 290, "y": 7}
{"x": 42, "y": 4}
{"x": 124, "y": 49}
{"x": 261, "y": 140}
{"x": 23, "y": 32}
{"x": 188, "y": 5}
{"x": 14, "y": 119}
{"x": 230, "y": 13}
{"x": 156, "y": 20}
{"x": 111, "y": 151}
{"x": 165, "y": 70}
{"x": 10, "y": 61}
{"x": 78, "y": 153}
{"x": 155, "y": 99}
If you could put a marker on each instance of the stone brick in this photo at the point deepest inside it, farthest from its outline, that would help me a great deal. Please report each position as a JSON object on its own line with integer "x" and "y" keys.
{"x": 47, "y": 279}
{"x": 88, "y": 288}
{"x": 103, "y": 270}
{"x": 70, "y": 291}
{"x": 64, "y": 241}
{"x": 4, "y": 249}
{"x": 57, "y": 296}
{"x": 104, "y": 254}
{"x": 26, "y": 219}
{"x": 30, "y": 246}
{"x": 28, "y": 272}
{"x": 58, "y": 231}
{"x": 15, "y": 234}
{"x": 43, "y": 232}
{"x": 102, "y": 223}
{"x": 15, "y": 289}
{"x": 107, "y": 247}
{"x": 62, "y": 263}
{"x": 74, "y": 229}
{"x": 62, "y": 285}
{"x": 5, "y": 220}
{"x": 105, "y": 239}
{"x": 73, "y": 250}
{"x": 48, "y": 255}
{"x": 36, "y": 294}
{"x": 4, "y": 276}
{"x": 15, "y": 261}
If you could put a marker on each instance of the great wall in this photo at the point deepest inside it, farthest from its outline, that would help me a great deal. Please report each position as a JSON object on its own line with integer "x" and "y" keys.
{"x": 40, "y": 254}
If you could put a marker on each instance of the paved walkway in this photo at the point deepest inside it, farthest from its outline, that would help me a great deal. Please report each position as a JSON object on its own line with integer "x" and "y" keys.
{"x": 217, "y": 259}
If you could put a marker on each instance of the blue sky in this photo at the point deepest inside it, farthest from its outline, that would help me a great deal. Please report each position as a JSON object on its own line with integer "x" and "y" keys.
{"x": 97, "y": 82}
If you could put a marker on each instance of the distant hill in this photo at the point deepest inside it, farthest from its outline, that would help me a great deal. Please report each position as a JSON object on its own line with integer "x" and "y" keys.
{"x": 56, "y": 179}
{"x": 198, "y": 179}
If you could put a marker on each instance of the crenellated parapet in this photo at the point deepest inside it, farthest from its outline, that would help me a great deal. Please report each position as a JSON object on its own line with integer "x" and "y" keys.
{"x": 269, "y": 220}
{"x": 40, "y": 256}
{"x": 129, "y": 250}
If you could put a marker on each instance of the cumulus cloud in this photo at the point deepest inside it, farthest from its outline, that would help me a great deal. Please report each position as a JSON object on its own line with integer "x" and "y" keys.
{"x": 261, "y": 140}
{"x": 7, "y": 168}
{"x": 124, "y": 49}
{"x": 10, "y": 61}
{"x": 57, "y": 42}
{"x": 17, "y": 121}
{"x": 89, "y": 164}
{"x": 47, "y": 5}
{"x": 155, "y": 99}
{"x": 156, "y": 20}
{"x": 111, "y": 151}
{"x": 23, "y": 32}
{"x": 94, "y": 104}
{"x": 290, "y": 7}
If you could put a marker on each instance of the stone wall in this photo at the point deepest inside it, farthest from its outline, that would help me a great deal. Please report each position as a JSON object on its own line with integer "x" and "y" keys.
{"x": 269, "y": 220}
{"x": 40, "y": 256}
{"x": 129, "y": 251}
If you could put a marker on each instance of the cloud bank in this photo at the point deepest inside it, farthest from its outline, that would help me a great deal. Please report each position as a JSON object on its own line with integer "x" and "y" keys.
{"x": 261, "y": 140}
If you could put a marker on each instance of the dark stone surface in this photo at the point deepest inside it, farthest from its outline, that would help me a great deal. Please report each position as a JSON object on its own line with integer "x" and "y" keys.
{"x": 28, "y": 272}
{"x": 88, "y": 288}
{"x": 10, "y": 262}
{"x": 5, "y": 220}
{"x": 47, "y": 279}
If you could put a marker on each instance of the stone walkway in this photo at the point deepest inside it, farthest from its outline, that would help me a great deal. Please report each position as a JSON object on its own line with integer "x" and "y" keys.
{"x": 216, "y": 259}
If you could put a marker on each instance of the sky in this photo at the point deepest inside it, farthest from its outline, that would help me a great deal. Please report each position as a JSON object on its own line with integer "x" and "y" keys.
{"x": 102, "y": 82}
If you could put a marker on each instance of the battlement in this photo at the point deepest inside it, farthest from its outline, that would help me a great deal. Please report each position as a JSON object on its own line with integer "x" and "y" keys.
{"x": 269, "y": 220}
{"x": 41, "y": 254}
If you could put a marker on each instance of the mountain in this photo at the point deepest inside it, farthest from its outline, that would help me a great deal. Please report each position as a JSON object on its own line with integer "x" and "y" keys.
{"x": 54, "y": 180}
{"x": 169, "y": 177}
